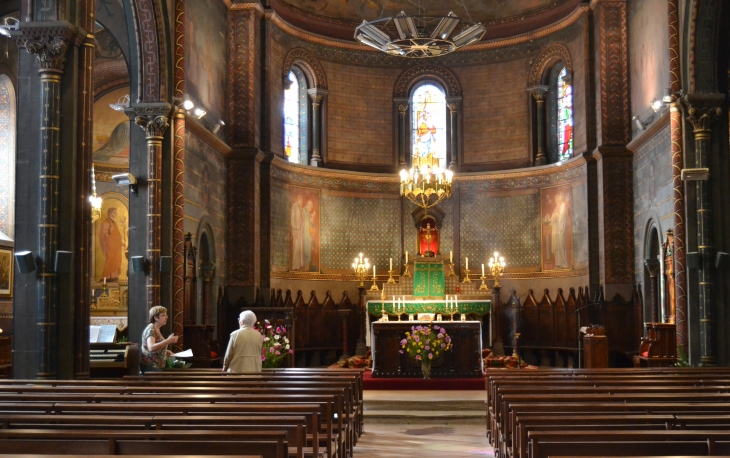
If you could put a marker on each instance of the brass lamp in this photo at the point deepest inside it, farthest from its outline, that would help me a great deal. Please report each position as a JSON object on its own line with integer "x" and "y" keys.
{"x": 426, "y": 185}
{"x": 496, "y": 266}
{"x": 361, "y": 267}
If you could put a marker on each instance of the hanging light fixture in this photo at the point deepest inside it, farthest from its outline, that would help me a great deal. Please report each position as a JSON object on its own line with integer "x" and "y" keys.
{"x": 419, "y": 35}
{"x": 95, "y": 201}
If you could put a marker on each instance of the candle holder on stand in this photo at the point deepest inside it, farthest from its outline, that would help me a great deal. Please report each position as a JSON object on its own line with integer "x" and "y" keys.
{"x": 451, "y": 271}
{"x": 361, "y": 267}
{"x": 406, "y": 273}
{"x": 483, "y": 286}
{"x": 400, "y": 312}
{"x": 496, "y": 266}
{"x": 375, "y": 286}
{"x": 390, "y": 277}
{"x": 466, "y": 276}
{"x": 451, "y": 316}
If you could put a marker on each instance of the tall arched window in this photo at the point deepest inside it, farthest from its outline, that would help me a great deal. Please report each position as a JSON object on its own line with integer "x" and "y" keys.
{"x": 428, "y": 126}
{"x": 564, "y": 93}
{"x": 7, "y": 156}
{"x": 295, "y": 118}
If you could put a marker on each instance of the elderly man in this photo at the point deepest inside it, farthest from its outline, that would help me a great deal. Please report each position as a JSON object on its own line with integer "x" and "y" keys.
{"x": 244, "y": 347}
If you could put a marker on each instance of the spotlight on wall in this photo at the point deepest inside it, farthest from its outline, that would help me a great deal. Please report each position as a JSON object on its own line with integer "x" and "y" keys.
{"x": 656, "y": 105}
{"x": 199, "y": 113}
{"x": 640, "y": 125}
{"x": 124, "y": 179}
{"x": 10, "y": 23}
{"x": 25, "y": 261}
{"x": 187, "y": 103}
{"x": 139, "y": 264}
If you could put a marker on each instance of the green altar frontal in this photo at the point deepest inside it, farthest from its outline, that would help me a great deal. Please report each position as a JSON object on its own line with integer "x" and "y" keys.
{"x": 477, "y": 307}
{"x": 428, "y": 279}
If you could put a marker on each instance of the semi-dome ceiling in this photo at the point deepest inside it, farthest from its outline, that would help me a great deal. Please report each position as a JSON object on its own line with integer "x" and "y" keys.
{"x": 338, "y": 18}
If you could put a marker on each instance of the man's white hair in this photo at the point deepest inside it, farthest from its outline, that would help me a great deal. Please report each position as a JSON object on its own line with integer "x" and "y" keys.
{"x": 248, "y": 317}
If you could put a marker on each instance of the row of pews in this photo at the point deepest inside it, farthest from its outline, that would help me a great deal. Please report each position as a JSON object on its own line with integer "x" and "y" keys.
{"x": 609, "y": 412}
{"x": 279, "y": 413}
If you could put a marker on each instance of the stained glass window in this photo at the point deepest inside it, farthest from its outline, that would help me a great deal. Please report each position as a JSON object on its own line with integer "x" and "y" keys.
{"x": 7, "y": 156}
{"x": 291, "y": 120}
{"x": 565, "y": 116}
{"x": 428, "y": 126}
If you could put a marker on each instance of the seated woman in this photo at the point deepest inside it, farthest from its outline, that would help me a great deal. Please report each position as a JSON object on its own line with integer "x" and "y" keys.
{"x": 244, "y": 347}
{"x": 154, "y": 347}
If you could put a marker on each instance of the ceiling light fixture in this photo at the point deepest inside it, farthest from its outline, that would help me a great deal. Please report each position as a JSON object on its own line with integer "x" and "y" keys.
{"x": 10, "y": 23}
{"x": 121, "y": 104}
{"x": 419, "y": 35}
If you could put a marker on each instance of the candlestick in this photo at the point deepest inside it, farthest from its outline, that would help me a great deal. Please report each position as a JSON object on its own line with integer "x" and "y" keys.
{"x": 406, "y": 273}
{"x": 374, "y": 287}
{"x": 451, "y": 271}
{"x": 483, "y": 286}
{"x": 390, "y": 276}
{"x": 466, "y": 276}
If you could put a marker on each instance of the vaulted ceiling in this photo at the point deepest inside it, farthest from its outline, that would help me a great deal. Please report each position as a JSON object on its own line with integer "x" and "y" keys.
{"x": 338, "y": 18}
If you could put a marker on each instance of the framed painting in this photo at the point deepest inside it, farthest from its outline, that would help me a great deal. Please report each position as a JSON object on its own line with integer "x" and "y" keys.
{"x": 6, "y": 272}
{"x": 111, "y": 241}
{"x": 556, "y": 232}
{"x": 304, "y": 229}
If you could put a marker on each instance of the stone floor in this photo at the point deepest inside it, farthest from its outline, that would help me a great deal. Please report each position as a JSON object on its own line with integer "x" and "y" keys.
{"x": 450, "y": 435}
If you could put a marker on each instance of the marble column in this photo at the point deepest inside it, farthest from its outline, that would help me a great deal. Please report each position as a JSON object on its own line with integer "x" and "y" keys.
{"x": 539, "y": 93}
{"x": 316, "y": 95}
{"x": 153, "y": 118}
{"x": 453, "y": 103}
{"x": 701, "y": 111}
{"x": 401, "y": 105}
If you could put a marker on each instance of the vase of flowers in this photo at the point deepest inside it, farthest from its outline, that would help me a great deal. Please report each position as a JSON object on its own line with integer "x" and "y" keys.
{"x": 425, "y": 344}
{"x": 276, "y": 344}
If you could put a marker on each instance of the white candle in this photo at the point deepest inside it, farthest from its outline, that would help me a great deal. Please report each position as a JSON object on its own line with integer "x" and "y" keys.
{"x": 391, "y": 263}
{"x": 104, "y": 281}
{"x": 467, "y": 263}
{"x": 373, "y": 270}
{"x": 451, "y": 257}
{"x": 482, "y": 270}
{"x": 406, "y": 257}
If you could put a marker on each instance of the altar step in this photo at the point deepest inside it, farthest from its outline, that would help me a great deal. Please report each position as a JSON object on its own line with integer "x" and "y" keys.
{"x": 413, "y": 407}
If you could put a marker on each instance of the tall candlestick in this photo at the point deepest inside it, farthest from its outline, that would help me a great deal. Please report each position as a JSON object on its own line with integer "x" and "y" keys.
{"x": 467, "y": 263}
{"x": 451, "y": 257}
{"x": 482, "y": 270}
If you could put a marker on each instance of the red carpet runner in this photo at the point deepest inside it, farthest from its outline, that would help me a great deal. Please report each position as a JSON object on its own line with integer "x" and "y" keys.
{"x": 370, "y": 383}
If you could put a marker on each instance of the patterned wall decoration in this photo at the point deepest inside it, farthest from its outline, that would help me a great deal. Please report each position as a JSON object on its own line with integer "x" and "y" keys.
{"x": 149, "y": 46}
{"x": 351, "y": 225}
{"x": 579, "y": 225}
{"x": 614, "y": 74}
{"x": 304, "y": 229}
{"x": 556, "y": 228}
{"x": 508, "y": 224}
{"x": 243, "y": 65}
{"x": 334, "y": 180}
{"x": 7, "y": 156}
{"x": 280, "y": 217}
{"x": 616, "y": 218}
{"x": 241, "y": 222}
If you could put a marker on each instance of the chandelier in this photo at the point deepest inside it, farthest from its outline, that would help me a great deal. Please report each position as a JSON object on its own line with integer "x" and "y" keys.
{"x": 426, "y": 184}
{"x": 419, "y": 35}
{"x": 94, "y": 199}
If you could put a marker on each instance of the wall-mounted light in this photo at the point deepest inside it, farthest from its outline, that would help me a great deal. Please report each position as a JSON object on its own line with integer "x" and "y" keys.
{"x": 25, "y": 261}
{"x": 641, "y": 125}
{"x": 199, "y": 113}
{"x": 656, "y": 105}
{"x": 10, "y": 23}
{"x": 124, "y": 179}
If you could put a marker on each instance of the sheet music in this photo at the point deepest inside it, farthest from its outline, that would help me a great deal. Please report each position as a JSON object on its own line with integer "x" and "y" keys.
{"x": 108, "y": 333}
{"x": 94, "y": 332}
{"x": 185, "y": 354}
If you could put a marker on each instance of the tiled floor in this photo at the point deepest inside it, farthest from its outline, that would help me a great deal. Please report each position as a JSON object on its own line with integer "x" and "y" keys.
{"x": 412, "y": 439}
{"x": 423, "y": 441}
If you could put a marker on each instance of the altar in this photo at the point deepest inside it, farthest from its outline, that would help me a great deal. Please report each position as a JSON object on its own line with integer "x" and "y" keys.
{"x": 464, "y": 360}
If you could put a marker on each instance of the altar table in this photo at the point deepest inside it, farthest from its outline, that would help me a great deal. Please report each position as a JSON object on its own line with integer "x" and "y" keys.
{"x": 464, "y": 359}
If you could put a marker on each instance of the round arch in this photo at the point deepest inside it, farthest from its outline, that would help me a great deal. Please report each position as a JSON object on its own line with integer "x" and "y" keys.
{"x": 7, "y": 154}
{"x": 206, "y": 257}
{"x": 652, "y": 285}
{"x": 310, "y": 66}
{"x": 545, "y": 60}
{"x": 413, "y": 76}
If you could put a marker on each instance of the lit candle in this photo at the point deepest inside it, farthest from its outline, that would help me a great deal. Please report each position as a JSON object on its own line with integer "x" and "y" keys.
{"x": 451, "y": 257}
{"x": 467, "y": 263}
{"x": 391, "y": 263}
{"x": 406, "y": 257}
{"x": 482, "y": 270}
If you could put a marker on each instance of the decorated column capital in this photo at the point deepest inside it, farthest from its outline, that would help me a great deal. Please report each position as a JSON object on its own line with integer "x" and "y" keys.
{"x": 538, "y": 92}
{"x": 702, "y": 110}
{"x": 207, "y": 272}
{"x": 316, "y": 95}
{"x": 453, "y": 103}
{"x": 48, "y": 41}
{"x": 153, "y": 118}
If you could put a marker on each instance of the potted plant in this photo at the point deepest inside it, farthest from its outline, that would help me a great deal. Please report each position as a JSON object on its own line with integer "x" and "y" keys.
{"x": 424, "y": 344}
{"x": 276, "y": 345}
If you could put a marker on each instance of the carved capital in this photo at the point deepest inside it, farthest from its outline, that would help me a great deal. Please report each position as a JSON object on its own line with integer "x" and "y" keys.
{"x": 538, "y": 92}
{"x": 152, "y": 117}
{"x": 316, "y": 95}
{"x": 701, "y": 109}
{"x": 453, "y": 104}
{"x": 402, "y": 108}
{"x": 652, "y": 266}
{"x": 207, "y": 272}
{"x": 48, "y": 41}
{"x": 50, "y": 53}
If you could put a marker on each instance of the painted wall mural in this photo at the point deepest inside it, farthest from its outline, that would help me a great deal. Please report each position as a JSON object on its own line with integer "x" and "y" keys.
{"x": 556, "y": 228}
{"x": 280, "y": 227}
{"x": 111, "y": 132}
{"x": 304, "y": 227}
{"x": 111, "y": 240}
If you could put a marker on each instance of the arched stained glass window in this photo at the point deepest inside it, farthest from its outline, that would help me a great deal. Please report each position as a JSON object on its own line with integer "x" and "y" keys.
{"x": 428, "y": 126}
{"x": 291, "y": 119}
{"x": 7, "y": 156}
{"x": 565, "y": 116}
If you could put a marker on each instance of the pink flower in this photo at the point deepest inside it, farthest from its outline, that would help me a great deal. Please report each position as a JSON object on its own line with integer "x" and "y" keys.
{"x": 271, "y": 349}
{"x": 418, "y": 357}
{"x": 430, "y": 356}
{"x": 278, "y": 353}
{"x": 263, "y": 358}
{"x": 291, "y": 352}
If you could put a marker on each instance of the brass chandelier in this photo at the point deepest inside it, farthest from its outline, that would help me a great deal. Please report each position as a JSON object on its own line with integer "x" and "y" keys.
{"x": 426, "y": 184}
{"x": 419, "y": 35}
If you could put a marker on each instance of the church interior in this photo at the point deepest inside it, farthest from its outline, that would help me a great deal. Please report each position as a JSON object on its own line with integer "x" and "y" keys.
{"x": 547, "y": 179}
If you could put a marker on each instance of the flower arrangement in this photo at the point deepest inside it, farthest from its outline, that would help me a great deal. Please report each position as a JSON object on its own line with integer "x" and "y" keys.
{"x": 425, "y": 344}
{"x": 276, "y": 345}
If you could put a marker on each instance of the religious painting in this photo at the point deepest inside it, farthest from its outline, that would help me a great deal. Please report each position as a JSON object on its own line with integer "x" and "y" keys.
{"x": 6, "y": 272}
{"x": 556, "y": 229}
{"x": 111, "y": 131}
{"x": 428, "y": 127}
{"x": 111, "y": 240}
{"x": 304, "y": 229}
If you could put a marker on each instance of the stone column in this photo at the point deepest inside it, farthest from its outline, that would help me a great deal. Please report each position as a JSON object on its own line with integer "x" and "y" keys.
{"x": 316, "y": 95}
{"x": 453, "y": 104}
{"x": 153, "y": 119}
{"x": 401, "y": 105}
{"x": 361, "y": 349}
{"x": 207, "y": 273}
{"x": 48, "y": 42}
{"x": 701, "y": 111}
{"x": 652, "y": 267}
{"x": 539, "y": 93}
{"x": 494, "y": 317}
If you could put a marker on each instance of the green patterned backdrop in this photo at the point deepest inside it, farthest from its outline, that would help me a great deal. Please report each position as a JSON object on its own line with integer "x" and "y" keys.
{"x": 280, "y": 218}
